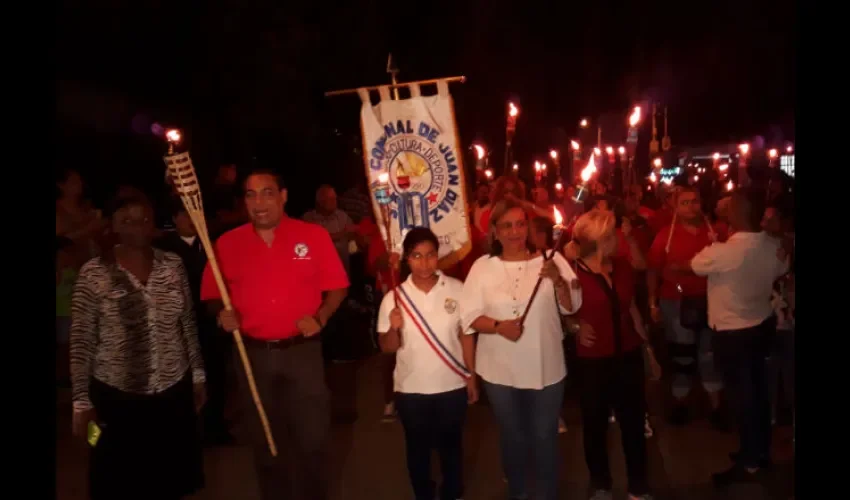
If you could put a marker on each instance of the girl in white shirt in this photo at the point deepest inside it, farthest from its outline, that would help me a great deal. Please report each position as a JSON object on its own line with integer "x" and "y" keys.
{"x": 420, "y": 321}
{"x": 521, "y": 363}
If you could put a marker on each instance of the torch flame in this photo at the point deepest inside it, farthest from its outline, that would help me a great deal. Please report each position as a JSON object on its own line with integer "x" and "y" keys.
{"x": 773, "y": 153}
{"x": 488, "y": 173}
{"x": 173, "y": 135}
{"x": 537, "y": 166}
{"x": 553, "y": 154}
{"x": 635, "y": 117}
{"x": 383, "y": 178}
{"x": 543, "y": 167}
{"x": 723, "y": 167}
{"x": 745, "y": 148}
{"x": 653, "y": 178}
{"x": 716, "y": 156}
{"x": 597, "y": 151}
{"x": 621, "y": 150}
{"x": 516, "y": 167}
{"x": 588, "y": 170}
{"x": 559, "y": 219}
{"x": 575, "y": 145}
{"x": 789, "y": 149}
{"x": 657, "y": 162}
{"x": 513, "y": 111}
{"x": 730, "y": 186}
{"x": 559, "y": 186}
{"x": 479, "y": 151}
{"x": 609, "y": 150}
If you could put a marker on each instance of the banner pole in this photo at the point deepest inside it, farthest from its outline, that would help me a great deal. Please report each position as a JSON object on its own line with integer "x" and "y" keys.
{"x": 395, "y": 85}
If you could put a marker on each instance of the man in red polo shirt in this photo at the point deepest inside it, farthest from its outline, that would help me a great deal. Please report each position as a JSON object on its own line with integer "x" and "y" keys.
{"x": 689, "y": 347}
{"x": 277, "y": 270}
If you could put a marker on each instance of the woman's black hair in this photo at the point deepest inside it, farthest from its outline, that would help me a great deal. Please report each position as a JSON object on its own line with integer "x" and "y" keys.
{"x": 416, "y": 236}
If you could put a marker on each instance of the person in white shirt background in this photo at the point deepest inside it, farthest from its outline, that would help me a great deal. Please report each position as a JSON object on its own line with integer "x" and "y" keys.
{"x": 740, "y": 275}
{"x": 420, "y": 321}
{"x": 521, "y": 364}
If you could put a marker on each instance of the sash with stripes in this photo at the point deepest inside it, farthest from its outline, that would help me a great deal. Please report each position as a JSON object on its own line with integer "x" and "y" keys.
{"x": 428, "y": 334}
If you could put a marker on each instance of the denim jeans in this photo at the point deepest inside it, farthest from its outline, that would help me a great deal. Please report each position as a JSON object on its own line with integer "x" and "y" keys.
{"x": 686, "y": 348}
{"x": 528, "y": 426}
{"x": 434, "y": 421}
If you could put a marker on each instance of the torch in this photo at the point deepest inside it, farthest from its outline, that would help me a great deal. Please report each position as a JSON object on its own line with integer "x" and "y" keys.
{"x": 480, "y": 159}
{"x": 510, "y": 129}
{"x": 576, "y": 147}
{"x": 556, "y": 159}
{"x": 743, "y": 177}
{"x": 185, "y": 181}
{"x": 382, "y": 196}
{"x": 632, "y": 140}
{"x": 586, "y": 174}
{"x": 558, "y": 233}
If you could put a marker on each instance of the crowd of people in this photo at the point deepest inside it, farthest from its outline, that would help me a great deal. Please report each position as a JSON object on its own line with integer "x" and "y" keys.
{"x": 143, "y": 340}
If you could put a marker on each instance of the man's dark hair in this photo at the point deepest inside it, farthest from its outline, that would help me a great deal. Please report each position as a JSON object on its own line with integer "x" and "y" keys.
{"x": 263, "y": 171}
{"x": 120, "y": 201}
{"x": 752, "y": 203}
{"x": 175, "y": 207}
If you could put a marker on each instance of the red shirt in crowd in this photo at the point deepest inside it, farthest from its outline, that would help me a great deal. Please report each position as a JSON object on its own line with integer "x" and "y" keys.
{"x": 683, "y": 247}
{"x": 601, "y": 305}
{"x": 272, "y": 287}
{"x": 660, "y": 218}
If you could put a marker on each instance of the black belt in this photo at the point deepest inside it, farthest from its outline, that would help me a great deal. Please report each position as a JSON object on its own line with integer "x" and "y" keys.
{"x": 280, "y": 343}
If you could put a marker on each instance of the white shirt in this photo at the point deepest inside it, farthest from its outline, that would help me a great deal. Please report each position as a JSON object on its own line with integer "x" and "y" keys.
{"x": 418, "y": 369}
{"x": 500, "y": 290}
{"x": 740, "y": 274}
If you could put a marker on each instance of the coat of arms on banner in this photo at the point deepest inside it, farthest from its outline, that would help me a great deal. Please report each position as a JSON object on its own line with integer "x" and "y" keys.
{"x": 415, "y": 171}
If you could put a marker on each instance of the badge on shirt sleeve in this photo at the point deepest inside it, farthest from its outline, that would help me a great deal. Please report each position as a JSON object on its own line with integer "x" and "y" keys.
{"x": 451, "y": 306}
{"x": 301, "y": 250}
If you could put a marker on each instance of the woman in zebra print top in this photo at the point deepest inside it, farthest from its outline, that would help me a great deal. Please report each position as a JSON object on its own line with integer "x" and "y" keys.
{"x": 136, "y": 365}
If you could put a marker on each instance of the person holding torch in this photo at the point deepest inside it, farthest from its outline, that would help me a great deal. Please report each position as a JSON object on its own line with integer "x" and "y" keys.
{"x": 286, "y": 280}
{"x": 519, "y": 354}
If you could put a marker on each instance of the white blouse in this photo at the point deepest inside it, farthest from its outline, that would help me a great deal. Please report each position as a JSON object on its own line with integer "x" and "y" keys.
{"x": 501, "y": 290}
{"x": 419, "y": 368}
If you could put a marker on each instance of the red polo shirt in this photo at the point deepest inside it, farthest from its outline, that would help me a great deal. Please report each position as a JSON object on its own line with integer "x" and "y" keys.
{"x": 683, "y": 247}
{"x": 272, "y": 287}
{"x": 601, "y": 306}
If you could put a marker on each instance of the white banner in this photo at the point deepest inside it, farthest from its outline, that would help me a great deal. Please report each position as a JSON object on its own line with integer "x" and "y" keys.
{"x": 414, "y": 144}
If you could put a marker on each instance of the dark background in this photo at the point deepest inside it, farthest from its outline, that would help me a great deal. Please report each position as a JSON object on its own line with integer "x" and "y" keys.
{"x": 245, "y": 80}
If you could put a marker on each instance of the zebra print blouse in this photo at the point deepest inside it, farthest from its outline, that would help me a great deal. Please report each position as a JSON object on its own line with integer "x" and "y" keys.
{"x": 137, "y": 338}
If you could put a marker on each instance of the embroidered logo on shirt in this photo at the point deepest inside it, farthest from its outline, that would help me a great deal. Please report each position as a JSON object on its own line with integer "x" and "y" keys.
{"x": 301, "y": 250}
{"x": 451, "y": 306}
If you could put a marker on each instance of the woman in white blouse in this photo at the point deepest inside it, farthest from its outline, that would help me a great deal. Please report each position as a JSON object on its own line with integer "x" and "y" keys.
{"x": 420, "y": 321}
{"x": 521, "y": 363}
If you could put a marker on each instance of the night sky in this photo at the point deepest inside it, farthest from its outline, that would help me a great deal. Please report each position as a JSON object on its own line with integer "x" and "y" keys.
{"x": 246, "y": 81}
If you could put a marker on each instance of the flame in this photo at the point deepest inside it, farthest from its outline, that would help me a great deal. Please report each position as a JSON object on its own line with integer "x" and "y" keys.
{"x": 559, "y": 186}
{"x": 575, "y": 145}
{"x": 516, "y": 167}
{"x": 609, "y": 150}
{"x": 730, "y": 186}
{"x": 635, "y": 117}
{"x": 553, "y": 154}
{"x": 621, "y": 150}
{"x": 653, "y": 178}
{"x": 773, "y": 153}
{"x": 744, "y": 148}
{"x": 537, "y": 166}
{"x": 789, "y": 149}
{"x": 716, "y": 156}
{"x": 479, "y": 151}
{"x": 583, "y": 123}
{"x": 588, "y": 170}
{"x": 723, "y": 167}
{"x": 488, "y": 173}
{"x": 383, "y": 178}
{"x": 543, "y": 167}
{"x": 696, "y": 178}
{"x": 173, "y": 135}
{"x": 513, "y": 111}
{"x": 559, "y": 219}
{"x": 657, "y": 162}
{"x": 597, "y": 151}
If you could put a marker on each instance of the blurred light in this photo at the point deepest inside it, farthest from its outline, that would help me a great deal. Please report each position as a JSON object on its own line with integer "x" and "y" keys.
{"x": 559, "y": 186}
{"x": 383, "y": 178}
{"x": 553, "y": 154}
{"x": 543, "y": 167}
{"x": 716, "y": 156}
{"x": 657, "y": 162}
{"x": 173, "y": 135}
{"x": 653, "y": 178}
{"x": 488, "y": 173}
{"x": 583, "y": 123}
{"x": 730, "y": 186}
{"x": 479, "y": 151}
{"x": 635, "y": 117}
{"x": 789, "y": 149}
{"x": 696, "y": 178}
{"x": 609, "y": 150}
{"x": 597, "y": 151}
{"x": 621, "y": 150}
{"x": 724, "y": 167}
{"x": 773, "y": 153}
{"x": 744, "y": 148}
{"x": 513, "y": 111}
{"x": 537, "y": 166}
{"x": 516, "y": 167}
{"x": 575, "y": 145}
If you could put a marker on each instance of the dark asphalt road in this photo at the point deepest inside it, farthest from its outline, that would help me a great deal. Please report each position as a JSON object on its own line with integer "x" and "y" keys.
{"x": 368, "y": 456}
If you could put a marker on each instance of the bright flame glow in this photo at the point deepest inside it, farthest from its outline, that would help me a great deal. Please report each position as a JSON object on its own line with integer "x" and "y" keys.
{"x": 516, "y": 167}
{"x": 513, "y": 111}
{"x": 597, "y": 151}
{"x": 696, "y": 178}
{"x": 789, "y": 149}
{"x": 583, "y": 123}
{"x": 657, "y": 162}
{"x": 667, "y": 180}
{"x": 553, "y": 154}
{"x": 653, "y": 178}
{"x": 730, "y": 186}
{"x": 773, "y": 153}
{"x": 621, "y": 150}
{"x": 609, "y": 150}
{"x": 488, "y": 173}
{"x": 173, "y": 135}
{"x": 543, "y": 167}
{"x": 575, "y": 145}
{"x": 559, "y": 219}
{"x": 724, "y": 167}
{"x": 559, "y": 186}
{"x": 588, "y": 170}
{"x": 716, "y": 156}
{"x": 744, "y": 148}
{"x": 635, "y": 117}
{"x": 383, "y": 178}
{"x": 479, "y": 151}
{"x": 537, "y": 166}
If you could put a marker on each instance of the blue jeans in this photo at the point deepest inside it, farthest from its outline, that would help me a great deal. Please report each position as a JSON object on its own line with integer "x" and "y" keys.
{"x": 528, "y": 425}
{"x": 434, "y": 422}
{"x": 690, "y": 352}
